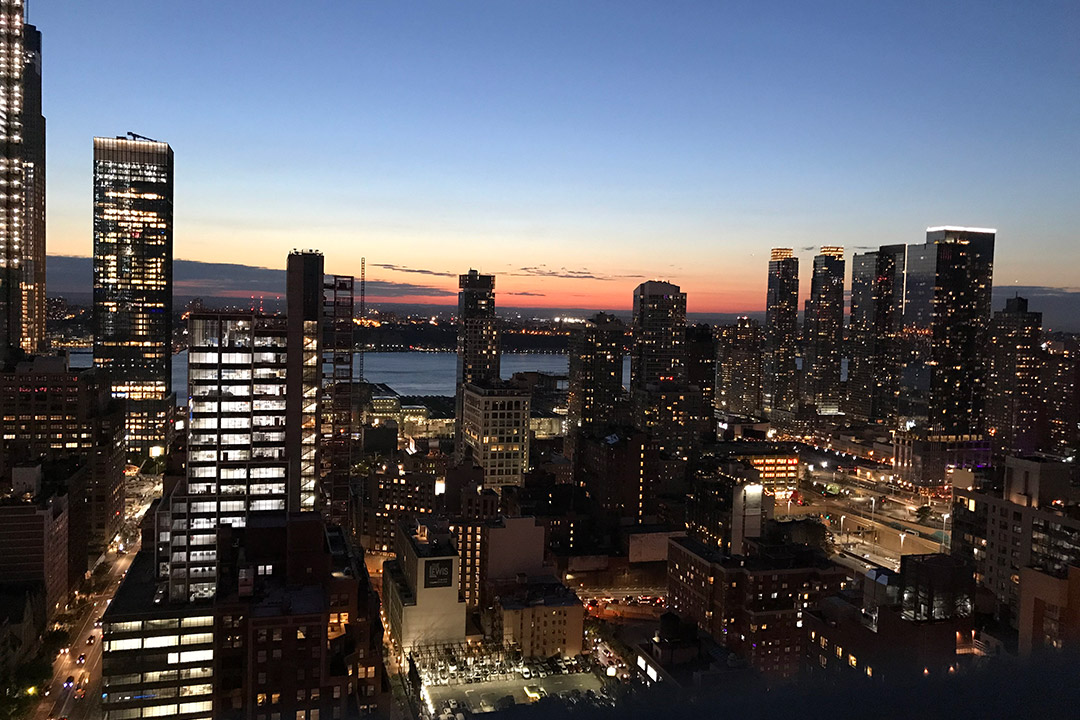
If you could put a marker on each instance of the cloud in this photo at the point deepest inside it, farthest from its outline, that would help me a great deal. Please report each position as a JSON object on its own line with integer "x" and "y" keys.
{"x": 525, "y": 294}
{"x": 544, "y": 271}
{"x": 73, "y": 276}
{"x": 418, "y": 271}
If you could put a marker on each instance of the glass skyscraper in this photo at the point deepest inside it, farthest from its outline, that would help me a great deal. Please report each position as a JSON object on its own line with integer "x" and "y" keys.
{"x": 781, "y": 332}
{"x": 946, "y": 317}
{"x": 22, "y": 175}
{"x": 133, "y": 253}
{"x": 877, "y": 314}
{"x": 824, "y": 331}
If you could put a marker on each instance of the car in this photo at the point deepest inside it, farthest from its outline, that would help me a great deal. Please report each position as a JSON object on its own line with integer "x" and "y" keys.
{"x": 65, "y": 650}
{"x": 90, "y": 640}
{"x": 526, "y": 673}
{"x": 81, "y": 660}
{"x": 70, "y": 682}
{"x": 97, "y": 623}
{"x": 80, "y": 693}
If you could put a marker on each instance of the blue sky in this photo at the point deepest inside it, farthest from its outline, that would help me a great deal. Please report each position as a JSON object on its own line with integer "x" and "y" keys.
{"x": 670, "y": 139}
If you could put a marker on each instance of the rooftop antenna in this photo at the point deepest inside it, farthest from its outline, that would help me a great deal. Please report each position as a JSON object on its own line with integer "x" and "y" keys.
{"x": 136, "y": 136}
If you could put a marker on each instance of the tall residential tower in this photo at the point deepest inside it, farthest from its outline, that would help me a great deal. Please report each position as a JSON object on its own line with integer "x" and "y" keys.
{"x": 824, "y": 332}
{"x": 779, "y": 377}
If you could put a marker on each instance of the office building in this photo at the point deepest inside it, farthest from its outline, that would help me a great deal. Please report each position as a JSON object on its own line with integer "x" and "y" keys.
{"x": 596, "y": 373}
{"x": 1013, "y": 389}
{"x": 659, "y": 349}
{"x": 336, "y": 400}
{"x": 294, "y": 632}
{"x": 779, "y": 368}
{"x": 738, "y": 370}
{"x": 237, "y": 462}
{"x": 133, "y": 255}
{"x": 946, "y": 318}
{"x": 824, "y": 332}
{"x": 495, "y": 431}
{"x": 420, "y": 588}
{"x": 304, "y": 317}
{"x": 874, "y": 326}
{"x": 477, "y": 341}
{"x": 12, "y": 177}
{"x": 33, "y": 149}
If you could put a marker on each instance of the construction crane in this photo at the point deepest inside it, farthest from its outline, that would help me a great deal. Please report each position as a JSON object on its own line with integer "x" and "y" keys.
{"x": 363, "y": 314}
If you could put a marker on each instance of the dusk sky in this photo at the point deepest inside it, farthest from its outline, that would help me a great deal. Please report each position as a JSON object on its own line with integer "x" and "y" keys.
{"x": 573, "y": 148}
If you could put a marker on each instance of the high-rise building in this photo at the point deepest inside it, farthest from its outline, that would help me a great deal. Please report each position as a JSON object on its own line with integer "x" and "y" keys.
{"x": 304, "y": 313}
{"x": 133, "y": 254}
{"x": 12, "y": 200}
{"x": 495, "y": 432}
{"x": 946, "y": 317}
{"x": 1061, "y": 396}
{"x": 478, "y": 334}
{"x": 659, "y": 352}
{"x": 701, "y": 364}
{"x": 824, "y": 332}
{"x": 33, "y": 132}
{"x": 596, "y": 372}
{"x": 237, "y": 461}
{"x": 738, "y": 371}
{"x": 779, "y": 375}
{"x": 477, "y": 341}
{"x": 336, "y": 401}
{"x": 877, "y": 314}
{"x": 1013, "y": 389}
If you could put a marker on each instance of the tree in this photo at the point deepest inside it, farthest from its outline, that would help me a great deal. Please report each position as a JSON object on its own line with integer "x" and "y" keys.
{"x": 923, "y": 513}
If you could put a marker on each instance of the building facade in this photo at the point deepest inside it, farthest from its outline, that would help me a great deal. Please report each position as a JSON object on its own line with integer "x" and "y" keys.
{"x": 779, "y": 370}
{"x": 133, "y": 257}
{"x": 596, "y": 372}
{"x": 1014, "y": 417}
{"x": 738, "y": 369}
{"x": 874, "y": 326}
{"x": 824, "y": 332}
{"x": 495, "y": 432}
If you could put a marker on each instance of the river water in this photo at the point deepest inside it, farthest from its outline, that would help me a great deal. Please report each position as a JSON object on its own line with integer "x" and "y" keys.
{"x": 409, "y": 373}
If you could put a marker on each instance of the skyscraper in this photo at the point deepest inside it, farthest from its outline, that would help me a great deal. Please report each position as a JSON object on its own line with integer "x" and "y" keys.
{"x": 1013, "y": 392}
{"x": 596, "y": 372}
{"x": 659, "y": 352}
{"x": 824, "y": 331}
{"x": 304, "y": 313}
{"x": 781, "y": 332}
{"x": 477, "y": 341}
{"x": 33, "y": 129}
{"x": 946, "y": 316}
{"x": 133, "y": 253}
{"x": 12, "y": 200}
{"x": 236, "y": 456}
{"x": 877, "y": 315}
{"x": 738, "y": 374}
{"x": 701, "y": 364}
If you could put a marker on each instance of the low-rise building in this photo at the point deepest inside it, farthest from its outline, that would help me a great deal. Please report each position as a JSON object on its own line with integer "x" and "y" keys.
{"x": 542, "y": 617}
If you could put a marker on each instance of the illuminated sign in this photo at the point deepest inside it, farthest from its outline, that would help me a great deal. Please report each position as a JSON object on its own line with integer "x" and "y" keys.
{"x": 437, "y": 573}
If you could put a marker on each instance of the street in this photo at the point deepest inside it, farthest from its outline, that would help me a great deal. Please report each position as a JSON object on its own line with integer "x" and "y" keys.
{"x": 62, "y": 702}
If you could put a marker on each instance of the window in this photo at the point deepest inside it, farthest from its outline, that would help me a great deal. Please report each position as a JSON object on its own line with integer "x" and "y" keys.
{"x": 852, "y": 661}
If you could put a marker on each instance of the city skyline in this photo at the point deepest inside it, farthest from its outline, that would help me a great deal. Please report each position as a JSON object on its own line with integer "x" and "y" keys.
{"x": 723, "y": 150}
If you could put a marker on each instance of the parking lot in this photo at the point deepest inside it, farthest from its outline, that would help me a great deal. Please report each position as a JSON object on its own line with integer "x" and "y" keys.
{"x": 485, "y": 696}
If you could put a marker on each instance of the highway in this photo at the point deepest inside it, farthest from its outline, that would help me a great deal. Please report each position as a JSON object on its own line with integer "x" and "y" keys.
{"x": 62, "y": 702}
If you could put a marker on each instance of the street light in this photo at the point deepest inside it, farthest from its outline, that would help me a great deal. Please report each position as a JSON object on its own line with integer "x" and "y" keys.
{"x": 944, "y": 518}
{"x": 902, "y": 536}
{"x": 842, "y": 518}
